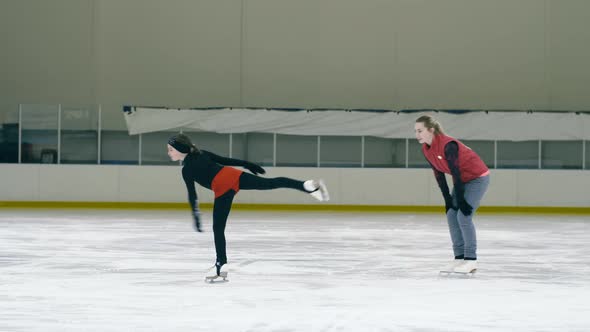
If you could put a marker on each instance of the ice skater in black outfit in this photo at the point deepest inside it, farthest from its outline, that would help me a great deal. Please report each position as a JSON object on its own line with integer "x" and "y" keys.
{"x": 211, "y": 171}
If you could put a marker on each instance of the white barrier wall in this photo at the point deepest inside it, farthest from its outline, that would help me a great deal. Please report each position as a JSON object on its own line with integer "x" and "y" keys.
{"x": 348, "y": 186}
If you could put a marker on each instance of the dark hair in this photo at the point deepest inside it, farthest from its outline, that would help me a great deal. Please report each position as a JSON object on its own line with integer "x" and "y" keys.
{"x": 182, "y": 143}
{"x": 429, "y": 123}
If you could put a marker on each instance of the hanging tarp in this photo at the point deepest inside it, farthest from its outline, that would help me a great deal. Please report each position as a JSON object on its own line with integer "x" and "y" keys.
{"x": 474, "y": 125}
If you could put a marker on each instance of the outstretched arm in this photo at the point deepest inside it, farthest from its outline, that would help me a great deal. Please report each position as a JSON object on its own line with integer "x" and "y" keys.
{"x": 192, "y": 198}
{"x": 252, "y": 167}
{"x": 452, "y": 157}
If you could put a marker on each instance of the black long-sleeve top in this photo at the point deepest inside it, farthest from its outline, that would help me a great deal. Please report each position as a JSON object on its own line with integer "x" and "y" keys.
{"x": 202, "y": 167}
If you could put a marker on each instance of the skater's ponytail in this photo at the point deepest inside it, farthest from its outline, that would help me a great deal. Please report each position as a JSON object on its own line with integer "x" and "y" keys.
{"x": 183, "y": 144}
{"x": 431, "y": 123}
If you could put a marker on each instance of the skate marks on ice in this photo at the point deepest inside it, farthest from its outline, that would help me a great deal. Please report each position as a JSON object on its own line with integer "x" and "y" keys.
{"x": 307, "y": 273}
{"x": 293, "y": 272}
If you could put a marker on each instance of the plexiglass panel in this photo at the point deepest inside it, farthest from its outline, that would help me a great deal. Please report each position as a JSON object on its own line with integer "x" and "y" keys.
{"x": 119, "y": 148}
{"x": 9, "y": 134}
{"x": 385, "y": 152}
{"x": 79, "y": 135}
{"x": 561, "y": 154}
{"x": 254, "y": 147}
{"x": 518, "y": 154}
{"x": 340, "y": 151}
{"x": 301, "y": 151}
{"x": 39, "y": 134}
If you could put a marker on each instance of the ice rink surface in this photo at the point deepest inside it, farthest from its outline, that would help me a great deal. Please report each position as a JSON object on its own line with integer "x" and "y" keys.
{"x": 102, "y": 270}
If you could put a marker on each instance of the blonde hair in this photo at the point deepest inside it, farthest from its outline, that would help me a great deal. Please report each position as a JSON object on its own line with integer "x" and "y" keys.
{"x": 431, "y": 123}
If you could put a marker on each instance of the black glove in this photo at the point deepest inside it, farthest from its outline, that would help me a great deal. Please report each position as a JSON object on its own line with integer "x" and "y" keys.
{"x": 449, "y": 203}
{"x": 464, "y": 207}
{"x": 255, "y": 169}
{"x": 197, "y": 220}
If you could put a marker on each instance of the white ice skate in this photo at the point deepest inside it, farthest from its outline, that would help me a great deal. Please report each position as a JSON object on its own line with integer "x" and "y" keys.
{"x": 450, "y": 268}
{"x": 217, "y": 274}
{"x": 317, "y": 189}
{"x": 459, "y": 268}
{"x": 468, "y": 267}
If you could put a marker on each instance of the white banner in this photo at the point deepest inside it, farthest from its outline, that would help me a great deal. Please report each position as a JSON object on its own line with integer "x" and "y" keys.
{"x": 476, "y": 125}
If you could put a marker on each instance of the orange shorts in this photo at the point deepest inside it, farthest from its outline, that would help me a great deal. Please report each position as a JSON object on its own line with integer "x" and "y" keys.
{"x": 228, "y": 178}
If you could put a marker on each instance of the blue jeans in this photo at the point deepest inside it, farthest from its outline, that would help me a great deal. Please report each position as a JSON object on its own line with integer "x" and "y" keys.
{"x": 461, "y": 226}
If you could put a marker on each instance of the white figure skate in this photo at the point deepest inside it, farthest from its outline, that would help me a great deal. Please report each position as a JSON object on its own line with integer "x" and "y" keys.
{"x": 317, "y": 189}
{"x": 217, "y": 274}
{"x": 460, "y": 268}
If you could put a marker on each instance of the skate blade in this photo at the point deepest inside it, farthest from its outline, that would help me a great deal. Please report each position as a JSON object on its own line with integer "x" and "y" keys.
{"x": 321, "y": 194}
{"x": 217, "y": 279}
{"x": 317, "y": 195}
{"x": 453, "y": 274}
{"x": 324, "y": 191}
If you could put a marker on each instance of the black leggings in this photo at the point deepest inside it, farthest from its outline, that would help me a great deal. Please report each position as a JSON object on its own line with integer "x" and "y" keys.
{"x": 222, "y": 205}
{"x": 253, "y": 182}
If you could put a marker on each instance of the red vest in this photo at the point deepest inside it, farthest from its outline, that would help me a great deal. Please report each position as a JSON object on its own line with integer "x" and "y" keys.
{"x": 470, "y": 165}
